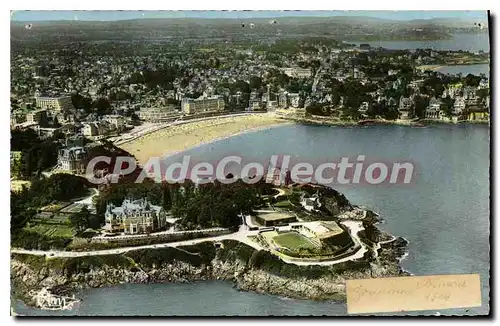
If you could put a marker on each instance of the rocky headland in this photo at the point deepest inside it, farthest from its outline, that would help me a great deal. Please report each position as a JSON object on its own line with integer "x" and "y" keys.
{"x": 249, "y": 269}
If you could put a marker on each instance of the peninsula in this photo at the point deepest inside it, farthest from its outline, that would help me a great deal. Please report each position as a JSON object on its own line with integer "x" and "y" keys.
{"x": 299, "y": 241}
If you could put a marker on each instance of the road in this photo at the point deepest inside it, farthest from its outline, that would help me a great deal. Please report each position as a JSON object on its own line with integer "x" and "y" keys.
{"x": 281, "y": 192}
{"x": 87, "y": 201}
{"x": 55, "y": 253}
{"x": 157, "y": 234}
{"x": 241, "y": 236}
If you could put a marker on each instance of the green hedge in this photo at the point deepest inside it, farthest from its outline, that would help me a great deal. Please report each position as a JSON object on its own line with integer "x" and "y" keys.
{"x": 34, "y": 240}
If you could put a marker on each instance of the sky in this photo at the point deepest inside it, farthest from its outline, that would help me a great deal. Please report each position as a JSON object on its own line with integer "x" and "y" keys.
{"x": 120, "y": 15}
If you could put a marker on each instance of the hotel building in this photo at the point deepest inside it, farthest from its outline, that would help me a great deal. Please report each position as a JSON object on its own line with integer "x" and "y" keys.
{"x": 202, "y": 105}
{"x": 60, "y": 103}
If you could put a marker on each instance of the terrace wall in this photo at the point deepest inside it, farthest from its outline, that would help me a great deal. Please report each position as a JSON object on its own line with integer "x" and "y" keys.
{"x": 165, "y": 236}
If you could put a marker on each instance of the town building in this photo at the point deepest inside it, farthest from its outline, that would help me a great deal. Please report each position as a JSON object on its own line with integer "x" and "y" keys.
{"x": 310, "y": 203}
{"x": 282, "y": 100}
{"x": 255, "y": 105}
{"x": 27, "y": 125}
{"x": 297, "y": 72}
{"x": 405, "y": 107}
{"x": 54, "y": 104}
{"x": 97, "y": 128}
{"x": 38, "y": 116}
{"x": 294, "y": 99}
{"x": 433, "y": 111}
{"x": 469, "y": 92}
{"x": 476, "y": 113}
{"x": 363, "y": 108}
{"x": 484, "y": 83}
{"x": 89, "y": 129}
{"x": 45, "y": 133}
{"x": 317, "y": 229}
{"x": 73, "y": 157}
{"x": 202, "y": 105}
{"x": 458, "y": 106}
{"x": 66, "y": 117}
{"x": 273, "y": 218}
{"x": 16, "y": 119}
{"x": 271, "y": 105}
{"x": 117, "y": 121}
{"x": 453, "y": 90}
{"x": 166, "y": 113}
{"x": 416, "y": 84}
{"x": 135, "y": 217}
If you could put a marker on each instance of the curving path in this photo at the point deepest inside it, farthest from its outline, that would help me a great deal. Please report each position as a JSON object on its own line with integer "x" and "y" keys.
{"x": 241, "y": 236}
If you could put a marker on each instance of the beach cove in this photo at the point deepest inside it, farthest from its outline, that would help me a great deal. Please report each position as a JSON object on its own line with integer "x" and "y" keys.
{"x": 177, "y": 138}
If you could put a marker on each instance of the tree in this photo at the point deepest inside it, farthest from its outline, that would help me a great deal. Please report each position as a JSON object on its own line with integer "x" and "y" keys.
{"x": 241, "y": 86}
{"x": 255, "y": 82}
{"x": 472, "y": 80}
{"x": 315, "y": 109}
{"x": 21, "y": 211}
{"x": 55, "y": 123}
{"x": 166, "y": 198}
{"x": 38, "y": 158}
{"x": 213, "y": 204}
{"x": 81, "y": 220}
{"x": 15, "y": 164}
{"x": 56, "y": 187}
{"x": 483, "y": 93}
{"x": 447, "y": 106}
{"x": 102, "y": 106}
{"x": 81, "y": 102}
{"x": 421, "y": 104}
{"x": 23, "y": 139}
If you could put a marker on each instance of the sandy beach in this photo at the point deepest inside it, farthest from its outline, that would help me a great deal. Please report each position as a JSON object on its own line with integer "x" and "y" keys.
{"x": 430, "y": 67}
{"x": 178, "y": 138}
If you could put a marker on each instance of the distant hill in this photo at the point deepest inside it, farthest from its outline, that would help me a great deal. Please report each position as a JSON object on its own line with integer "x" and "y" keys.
{"x": 449, "y": 22}
{"x": 338, "y": 27}
{"x": 348, "y": 20}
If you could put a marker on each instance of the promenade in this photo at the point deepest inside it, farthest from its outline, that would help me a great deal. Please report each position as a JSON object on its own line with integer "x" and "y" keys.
{"x": 242, "y": 235}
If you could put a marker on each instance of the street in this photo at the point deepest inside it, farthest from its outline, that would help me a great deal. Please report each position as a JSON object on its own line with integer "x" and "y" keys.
{"x": 242, "y": 236}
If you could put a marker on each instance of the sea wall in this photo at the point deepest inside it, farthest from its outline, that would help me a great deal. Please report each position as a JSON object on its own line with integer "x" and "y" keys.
{"x": 250, "y": 270}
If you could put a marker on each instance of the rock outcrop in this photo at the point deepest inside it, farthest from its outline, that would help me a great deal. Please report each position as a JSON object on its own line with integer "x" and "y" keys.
{"x": 64, "y": 275}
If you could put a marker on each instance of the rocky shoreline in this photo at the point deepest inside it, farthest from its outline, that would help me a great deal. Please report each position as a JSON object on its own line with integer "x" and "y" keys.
{"x": 234, "y": 262}
{"x": 374, "y": 122}
{"x": 230, "y": 260}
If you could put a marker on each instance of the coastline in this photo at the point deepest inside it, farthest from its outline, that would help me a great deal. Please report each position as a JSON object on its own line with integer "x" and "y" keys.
{"x": 233, "y": 262}
{"x": 439, "y": 67}
{"x": 248, "y": 267}
{"x": 374, "y": 122}
{"x": 213, "y": 140}
{"x": 179, "y": 138}
{"x": 171, "y": 140}
{"x": 361, "y": 123}
{"x": 430, "y": 67}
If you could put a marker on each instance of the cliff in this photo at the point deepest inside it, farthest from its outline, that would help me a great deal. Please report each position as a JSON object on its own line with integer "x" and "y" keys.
{"x": 250, "y": 270}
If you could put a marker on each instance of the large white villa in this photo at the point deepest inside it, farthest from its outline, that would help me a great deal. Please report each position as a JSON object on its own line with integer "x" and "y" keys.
{"x": 134, "y": 217}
